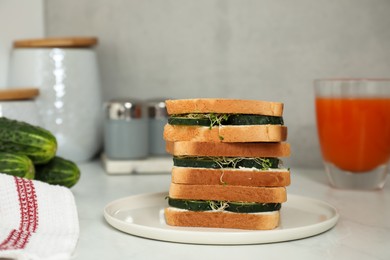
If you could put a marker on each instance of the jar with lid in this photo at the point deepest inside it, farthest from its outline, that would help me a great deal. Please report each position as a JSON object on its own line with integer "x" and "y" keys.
{"x": 125, "y": 129}
{"x": 158, "y": 118}
{"x": 19, "y": 104}
{"x": 66, "y": 72}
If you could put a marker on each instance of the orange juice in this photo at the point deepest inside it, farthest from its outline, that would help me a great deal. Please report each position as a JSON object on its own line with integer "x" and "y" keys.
{"x": 354, "y": 132}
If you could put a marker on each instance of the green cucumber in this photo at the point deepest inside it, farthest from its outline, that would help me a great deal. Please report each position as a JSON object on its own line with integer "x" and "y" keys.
{"x": 58, "y": 171}
{"x": 247, "y": 207}
{"x": 189, "y": 121}
{"x": 17, "y": 165}
{"x": 22, "y": 138}
{"x": 238, "y": 207}
{"x": 254, "y": 120}
{"x": 224, "y": 119}
{"x": 225, "y": 162}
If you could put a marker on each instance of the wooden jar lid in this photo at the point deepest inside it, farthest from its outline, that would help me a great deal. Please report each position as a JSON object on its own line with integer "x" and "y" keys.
{"x": 67, "y": 42}
{"x": 18, "y": 94}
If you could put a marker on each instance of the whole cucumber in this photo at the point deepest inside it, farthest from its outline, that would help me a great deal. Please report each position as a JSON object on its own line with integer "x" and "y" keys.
{"x": 58, "y": 171}
{"x": 16, "y": 165}
{"x": 18, "y": 137}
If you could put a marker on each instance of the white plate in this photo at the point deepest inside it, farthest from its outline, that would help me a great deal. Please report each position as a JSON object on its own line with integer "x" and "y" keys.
{"x": 143, "y": 215}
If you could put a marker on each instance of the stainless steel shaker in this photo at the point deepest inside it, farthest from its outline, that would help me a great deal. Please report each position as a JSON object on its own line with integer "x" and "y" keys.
{"x": 158, "y": 117}
{"x": 125, "y": 129}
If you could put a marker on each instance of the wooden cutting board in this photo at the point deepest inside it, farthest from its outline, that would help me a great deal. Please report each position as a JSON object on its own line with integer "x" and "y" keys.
{"x": 18, "y": 94}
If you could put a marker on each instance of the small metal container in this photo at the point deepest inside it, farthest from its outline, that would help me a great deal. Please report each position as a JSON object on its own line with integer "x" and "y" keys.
{"x": 158, "y": 117}
{"x": 125, "y": 129}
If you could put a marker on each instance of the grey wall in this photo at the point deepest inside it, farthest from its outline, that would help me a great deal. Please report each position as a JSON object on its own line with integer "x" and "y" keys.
{"x": 256, "y": 49}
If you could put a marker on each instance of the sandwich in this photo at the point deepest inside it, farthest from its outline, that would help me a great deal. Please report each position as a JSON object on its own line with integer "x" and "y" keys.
{"x": 224, "y": 120}
{"x": 227, "y": 185}
{"x": 244, "y": 164}
{"x": 227, "y": 168}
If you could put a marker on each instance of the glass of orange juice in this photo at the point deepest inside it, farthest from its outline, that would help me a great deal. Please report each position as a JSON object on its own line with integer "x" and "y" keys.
{"x": 353, "y": 121}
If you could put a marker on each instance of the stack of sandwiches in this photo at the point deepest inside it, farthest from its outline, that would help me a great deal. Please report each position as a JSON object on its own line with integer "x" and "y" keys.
{"x": 227, "y": 171}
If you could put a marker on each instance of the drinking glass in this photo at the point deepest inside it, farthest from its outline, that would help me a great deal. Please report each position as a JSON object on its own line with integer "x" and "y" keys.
{"x": 353, "y": 121}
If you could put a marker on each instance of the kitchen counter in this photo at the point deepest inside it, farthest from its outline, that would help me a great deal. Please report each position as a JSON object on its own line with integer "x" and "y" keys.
{"x": 362, "y": 232}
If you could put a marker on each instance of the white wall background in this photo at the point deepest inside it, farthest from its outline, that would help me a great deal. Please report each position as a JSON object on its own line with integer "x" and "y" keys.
{"x": 256, "y": 49}
{"x": 19, "y": 19}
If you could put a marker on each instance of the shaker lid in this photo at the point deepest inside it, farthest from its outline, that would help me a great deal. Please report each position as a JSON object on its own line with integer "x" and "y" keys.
{"x": 60, "y": 42}
{"x": 157, "y": 108}
{"x": 18, "y": 94}
{"x": 124, "y": 109}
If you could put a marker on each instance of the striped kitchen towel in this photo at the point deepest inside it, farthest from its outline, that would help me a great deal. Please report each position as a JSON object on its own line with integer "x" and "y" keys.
{"x": 37, "y": 220}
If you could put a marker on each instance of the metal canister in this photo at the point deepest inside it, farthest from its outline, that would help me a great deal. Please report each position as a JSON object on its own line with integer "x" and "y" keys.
{"x": 158, "y": 117}
{"x": 125, "y": 129}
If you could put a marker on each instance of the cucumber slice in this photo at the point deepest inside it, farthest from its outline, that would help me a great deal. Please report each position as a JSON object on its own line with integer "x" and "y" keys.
{"x": 259, "y": 163}
{"x": 225, "y": 162}
{"x": 238, "y": 207}
{"x": 245, "y": 207}
{"x": 254, "y": 120}
{"x": 195, "y": 162}
{"x": 189, "y": 121}
{"x": 231, "y": 119}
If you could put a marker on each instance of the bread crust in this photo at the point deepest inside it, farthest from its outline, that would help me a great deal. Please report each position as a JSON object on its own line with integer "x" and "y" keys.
{"x": 181, "y": 148}
{"x": 239, "y": 133}
{"x": 214, "y": 219}
{"x": 237, "y": 177}
{"x": 224, "y": 106}
{"x": 228, "y": 193}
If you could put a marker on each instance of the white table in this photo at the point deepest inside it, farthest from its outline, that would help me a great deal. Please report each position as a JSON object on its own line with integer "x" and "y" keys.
{"x": 362, "y": 232}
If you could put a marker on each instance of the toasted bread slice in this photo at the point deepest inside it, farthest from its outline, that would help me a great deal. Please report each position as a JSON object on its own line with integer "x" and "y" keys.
{"x": 221, "y": 219}
{"x": 224, "y": 106}
{"x": 252, "y": 149}
{"x": 228, "y": 193}
{"x": 237, "y": 177}
{"x": 227, "y": 133}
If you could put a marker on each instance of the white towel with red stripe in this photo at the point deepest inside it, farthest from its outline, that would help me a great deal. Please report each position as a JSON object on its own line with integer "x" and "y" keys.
{"x": 37, "y": 220}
